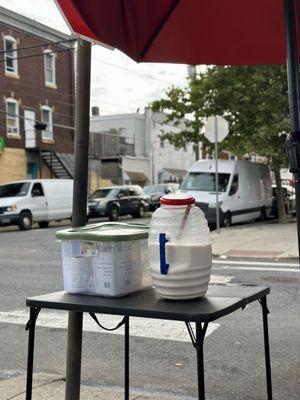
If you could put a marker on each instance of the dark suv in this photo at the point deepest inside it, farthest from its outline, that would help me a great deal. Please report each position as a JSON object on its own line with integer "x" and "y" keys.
{"x": 155, "y": 192}
{"x": 118, "y": 200}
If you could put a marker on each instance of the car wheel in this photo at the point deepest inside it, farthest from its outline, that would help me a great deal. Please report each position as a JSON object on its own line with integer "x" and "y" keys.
{"x": 140, "y": 213}
{"x": 262, "y": 216}
{"x": 43, "y": 224}
{"x": 114, "y": 214}
{"x": 25, "y": 221}
{"x": 227, "y": 220}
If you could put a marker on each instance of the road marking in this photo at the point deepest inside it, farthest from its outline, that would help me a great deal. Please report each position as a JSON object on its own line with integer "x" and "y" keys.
{"x": 259, "y": 269}
{"x": 141, "y": 327}
{"x": 220, "y": 279}
{"x": 256, "y": 263}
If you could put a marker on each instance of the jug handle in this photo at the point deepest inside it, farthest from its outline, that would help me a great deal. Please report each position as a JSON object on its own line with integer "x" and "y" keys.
{"x": 162, "y": 253}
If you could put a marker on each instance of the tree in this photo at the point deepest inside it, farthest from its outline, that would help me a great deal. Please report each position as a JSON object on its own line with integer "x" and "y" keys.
{"x": 253, "y": 99}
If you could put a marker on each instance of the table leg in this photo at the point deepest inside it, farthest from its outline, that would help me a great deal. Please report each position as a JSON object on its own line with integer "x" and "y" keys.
{"x": 198, "y": 341}
{"x": 200, "y": 360}
{"x": 34, "y": 312}
{"x": 73, "y": 367}
{"x": 265, "y": 311}
{"x": 126, "y": 358}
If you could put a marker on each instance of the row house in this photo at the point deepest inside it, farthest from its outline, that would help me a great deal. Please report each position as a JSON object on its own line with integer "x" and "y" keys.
{"x": 36, "y": 100}
{"x": 131, "y": 149}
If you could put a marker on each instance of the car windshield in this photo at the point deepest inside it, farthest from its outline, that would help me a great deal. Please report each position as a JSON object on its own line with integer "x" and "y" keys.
{"x": 14, "y": 189}
{"x": 205, "y": 182}
{"x": 101, "y": 193}
{"x": 154, "y": 189}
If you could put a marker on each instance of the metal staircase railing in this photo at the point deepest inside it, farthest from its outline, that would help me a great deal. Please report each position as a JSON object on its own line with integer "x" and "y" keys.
{"x": 56, "y": 164}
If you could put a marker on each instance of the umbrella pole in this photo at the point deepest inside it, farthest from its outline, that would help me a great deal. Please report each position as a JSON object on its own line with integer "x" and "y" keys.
{"x": 82, "y": 125}
{"x": 293, "y": 88}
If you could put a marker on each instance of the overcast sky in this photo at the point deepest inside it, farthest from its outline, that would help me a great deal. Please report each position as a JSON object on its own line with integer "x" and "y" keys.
{"x": 119, "y": 85}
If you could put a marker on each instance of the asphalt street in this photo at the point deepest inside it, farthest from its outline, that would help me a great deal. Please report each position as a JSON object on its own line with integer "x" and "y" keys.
{"x": 160, "y": 361}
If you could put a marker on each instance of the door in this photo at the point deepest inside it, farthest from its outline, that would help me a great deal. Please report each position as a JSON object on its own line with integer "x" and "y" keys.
{"x": 133, "y": 202}
{"x": 29, "y": 122}
{"x": 123, "y": 200}
{"x": 234, "y": 200}
{"x": 39, "y": 204}
{"x": 32, "y": 170}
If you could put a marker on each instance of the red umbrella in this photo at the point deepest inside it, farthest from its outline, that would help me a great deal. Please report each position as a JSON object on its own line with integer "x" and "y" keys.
{"x": 185, "y": 31}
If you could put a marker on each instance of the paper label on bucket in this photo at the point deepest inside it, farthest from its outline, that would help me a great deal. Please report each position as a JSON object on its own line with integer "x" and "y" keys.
{"x": 78, "y": 274}
{"x": 117, "y": 268}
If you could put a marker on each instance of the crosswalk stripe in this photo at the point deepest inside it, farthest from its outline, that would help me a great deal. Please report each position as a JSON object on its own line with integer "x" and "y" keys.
{"x": 140, "y": 327}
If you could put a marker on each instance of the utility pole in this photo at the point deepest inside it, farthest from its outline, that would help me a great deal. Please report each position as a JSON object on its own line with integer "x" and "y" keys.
{"x": 79, "y": 217}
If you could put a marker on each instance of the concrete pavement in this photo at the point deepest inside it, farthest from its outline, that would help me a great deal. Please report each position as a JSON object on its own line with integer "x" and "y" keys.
{"x": 261, "y": 240}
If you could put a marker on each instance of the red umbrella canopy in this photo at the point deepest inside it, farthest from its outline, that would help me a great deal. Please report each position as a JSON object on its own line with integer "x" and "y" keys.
{"x": 185, "y": 31}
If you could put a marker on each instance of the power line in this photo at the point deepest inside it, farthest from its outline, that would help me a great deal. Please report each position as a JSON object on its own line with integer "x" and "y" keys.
{"x": 142, "y": 74}
{"x": 36, "y": 55}
{"x": 17, "y": 49}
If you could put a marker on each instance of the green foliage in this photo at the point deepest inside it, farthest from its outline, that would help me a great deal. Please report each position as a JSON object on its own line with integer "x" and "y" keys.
{"x": 253, "y": 99}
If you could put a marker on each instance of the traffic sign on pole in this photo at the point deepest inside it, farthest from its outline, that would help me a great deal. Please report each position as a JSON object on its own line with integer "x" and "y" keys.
{"x": 216, "y": 129}
{"x": 210, "y": 128}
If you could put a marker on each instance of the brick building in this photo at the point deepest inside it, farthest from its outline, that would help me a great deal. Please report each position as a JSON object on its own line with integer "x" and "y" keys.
{"x": 36, "y": 86}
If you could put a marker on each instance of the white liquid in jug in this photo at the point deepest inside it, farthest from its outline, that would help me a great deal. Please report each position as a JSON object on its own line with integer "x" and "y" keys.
{"x": 189, "y": 270}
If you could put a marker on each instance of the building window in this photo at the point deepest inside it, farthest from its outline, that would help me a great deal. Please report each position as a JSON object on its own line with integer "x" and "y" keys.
{"x": 12, "y": 117}
{"x": 11, "y": 62}
{"x": 46, "y": 118}
{"x": 49, "y": 60}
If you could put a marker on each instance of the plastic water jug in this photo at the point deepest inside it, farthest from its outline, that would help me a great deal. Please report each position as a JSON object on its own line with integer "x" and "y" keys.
{"x": 179, "y": 247}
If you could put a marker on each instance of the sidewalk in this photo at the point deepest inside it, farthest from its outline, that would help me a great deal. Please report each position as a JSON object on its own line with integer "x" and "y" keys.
{"x": 261, "y": 240}
{"x": 52, "y": 387}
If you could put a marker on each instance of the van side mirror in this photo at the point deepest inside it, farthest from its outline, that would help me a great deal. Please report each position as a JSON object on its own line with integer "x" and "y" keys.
{"x": 232, "y": 191}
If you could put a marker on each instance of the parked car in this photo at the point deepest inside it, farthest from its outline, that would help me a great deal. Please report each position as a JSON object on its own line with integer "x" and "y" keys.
{"x": 37, "y": 200}
{"x": 245, "y": 191}
{"x": 118, "y": 200}
{"x": 155, "y": 192}
{"x": 289, "y": 200}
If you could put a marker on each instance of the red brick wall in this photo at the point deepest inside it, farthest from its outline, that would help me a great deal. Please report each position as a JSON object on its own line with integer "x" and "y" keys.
{"x": 31, "y": 92}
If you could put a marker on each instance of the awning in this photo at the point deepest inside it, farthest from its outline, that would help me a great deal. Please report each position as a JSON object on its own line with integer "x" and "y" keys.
{"x": 137, "y": 176}
{"x": 179, "y": 173}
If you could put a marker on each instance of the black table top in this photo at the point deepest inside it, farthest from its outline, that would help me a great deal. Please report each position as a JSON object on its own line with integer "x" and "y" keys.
{"x": 219, "y": 301}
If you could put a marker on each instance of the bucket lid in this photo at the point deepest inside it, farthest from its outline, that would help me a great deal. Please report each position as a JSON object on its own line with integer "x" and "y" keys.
{"x": 105, "y": 232}
{"x": 177, "y": 199}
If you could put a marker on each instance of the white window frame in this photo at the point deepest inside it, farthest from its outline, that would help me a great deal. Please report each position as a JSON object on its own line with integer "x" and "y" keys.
{"x": 16, "y": 133}
{"x": 14, "y": 56}
{"x": 47, "y": 134}
{"x": 49, "y": 83}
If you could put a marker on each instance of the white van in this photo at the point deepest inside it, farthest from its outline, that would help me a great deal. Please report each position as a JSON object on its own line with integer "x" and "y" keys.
{"x": 245, "y": 191}
{"x": 37, "y": 200}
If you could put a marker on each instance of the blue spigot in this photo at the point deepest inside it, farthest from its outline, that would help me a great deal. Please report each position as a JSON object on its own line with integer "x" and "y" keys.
{"x": 162, "y": 253}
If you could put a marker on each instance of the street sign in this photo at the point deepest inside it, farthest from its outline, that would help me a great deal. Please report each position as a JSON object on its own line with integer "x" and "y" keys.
{"x": 213, "y": 125}
{"x": 216, "y": 130}
{"x": 2, "y": 144}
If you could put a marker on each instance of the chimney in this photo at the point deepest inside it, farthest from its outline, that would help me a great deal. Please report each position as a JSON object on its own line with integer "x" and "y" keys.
{"x": 95, "y": 111}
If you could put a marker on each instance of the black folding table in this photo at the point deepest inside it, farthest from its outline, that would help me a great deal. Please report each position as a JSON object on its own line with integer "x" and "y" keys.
{"x": 220, "y": 301}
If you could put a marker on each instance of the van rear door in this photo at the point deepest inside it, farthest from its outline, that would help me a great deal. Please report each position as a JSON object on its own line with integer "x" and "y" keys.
{"x": 39, "y": 205}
